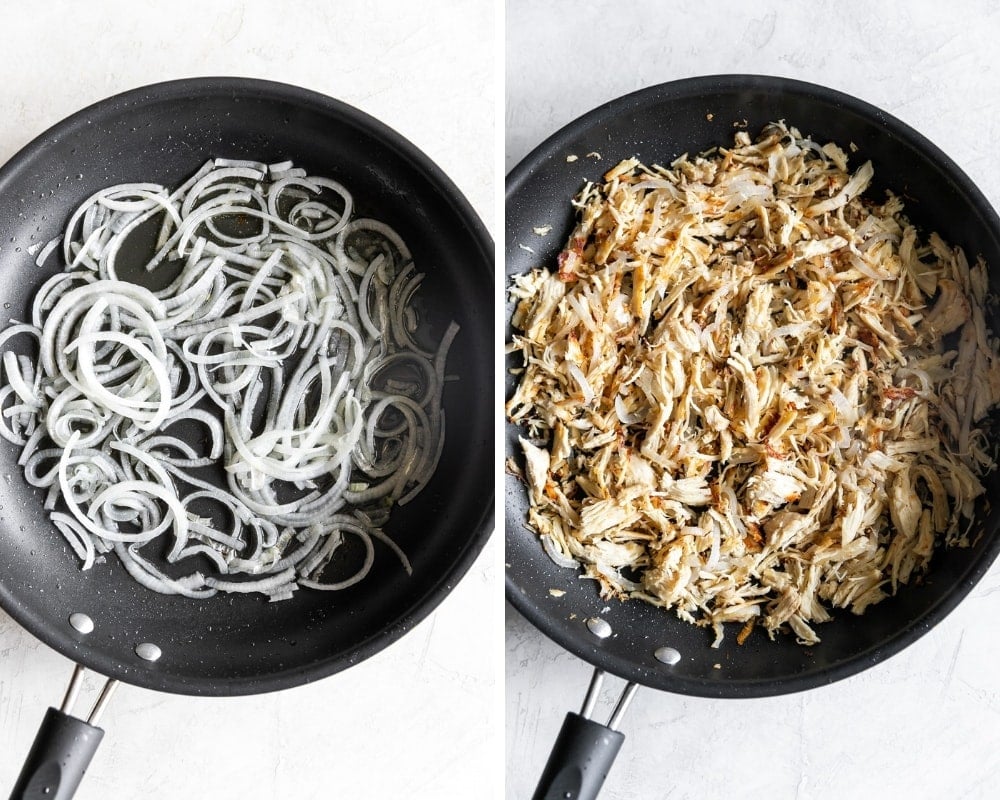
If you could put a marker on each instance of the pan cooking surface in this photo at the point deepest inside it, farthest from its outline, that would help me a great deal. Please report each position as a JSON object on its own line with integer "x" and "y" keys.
{"x": 657, "y": 125}
{"x": 238, "y": 644}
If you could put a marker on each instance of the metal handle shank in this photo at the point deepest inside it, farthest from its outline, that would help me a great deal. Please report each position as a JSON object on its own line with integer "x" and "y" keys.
{"x": 580, "y": 760}
{"x": 60, "y": 755}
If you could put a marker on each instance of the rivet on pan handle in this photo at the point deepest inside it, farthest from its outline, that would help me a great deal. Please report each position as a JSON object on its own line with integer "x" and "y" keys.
{"x": 63, "y": 747}
{"x": 584, "y": 750}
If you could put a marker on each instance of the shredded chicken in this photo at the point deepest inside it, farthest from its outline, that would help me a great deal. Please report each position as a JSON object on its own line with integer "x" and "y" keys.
{"x": 750, "y": 393}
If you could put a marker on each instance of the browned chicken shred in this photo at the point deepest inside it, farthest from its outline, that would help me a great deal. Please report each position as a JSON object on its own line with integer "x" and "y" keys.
{"x": 751, "y": 394}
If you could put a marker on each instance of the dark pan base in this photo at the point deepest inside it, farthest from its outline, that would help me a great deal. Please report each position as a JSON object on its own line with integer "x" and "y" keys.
{"x": 243, "y": 645}
{"x": 657, "y": 125}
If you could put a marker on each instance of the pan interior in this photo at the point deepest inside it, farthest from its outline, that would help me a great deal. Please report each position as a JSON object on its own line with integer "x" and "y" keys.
{"x": 657, "y": 125}
{"x": 243, "y": 644}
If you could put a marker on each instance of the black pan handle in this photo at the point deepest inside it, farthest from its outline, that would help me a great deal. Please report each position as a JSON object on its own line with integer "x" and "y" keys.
{"x": 63, "y": 748}
{"x": 580, "y": 760}
{"x": 60, "y": 755}
{"x": 584, "y": 750}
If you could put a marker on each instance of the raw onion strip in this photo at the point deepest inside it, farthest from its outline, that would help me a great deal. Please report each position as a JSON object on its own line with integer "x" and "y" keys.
{"x": 285, "y": 335}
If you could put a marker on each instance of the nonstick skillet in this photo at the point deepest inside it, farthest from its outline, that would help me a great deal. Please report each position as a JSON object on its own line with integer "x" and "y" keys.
{"x": 658, "y": 124}
{"x": 238, "y": 645}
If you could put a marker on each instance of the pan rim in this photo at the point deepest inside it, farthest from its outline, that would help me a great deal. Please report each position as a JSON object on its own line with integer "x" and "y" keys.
{"x": 477, "y": 532}
{"x": 629, "y": 669}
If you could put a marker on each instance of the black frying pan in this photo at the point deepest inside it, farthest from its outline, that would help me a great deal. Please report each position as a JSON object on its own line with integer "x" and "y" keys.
{"x": 656, "y": 125}
{"x": 238, "y": 644}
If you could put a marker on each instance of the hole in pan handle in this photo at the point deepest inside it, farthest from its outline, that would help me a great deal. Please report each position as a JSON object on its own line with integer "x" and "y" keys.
{"x": 63, "y": 747}
{"x": 584, "y": 750}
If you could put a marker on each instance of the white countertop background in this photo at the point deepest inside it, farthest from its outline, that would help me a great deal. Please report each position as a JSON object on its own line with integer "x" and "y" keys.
{"x": 421, "y": 719}
{"x": 926, "y": 723}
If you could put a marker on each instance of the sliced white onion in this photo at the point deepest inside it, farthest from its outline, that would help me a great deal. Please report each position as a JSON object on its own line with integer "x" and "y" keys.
{"x": 558, "y": 557}
{"x": 581, "y": 381}
{"x": 624, "y": 416}
{"x": 118, "y": 367}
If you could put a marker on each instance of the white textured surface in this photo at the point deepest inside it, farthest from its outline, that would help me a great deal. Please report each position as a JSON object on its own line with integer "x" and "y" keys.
{"x": 925, "y": 724}
{"x": 418, "y": 720}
